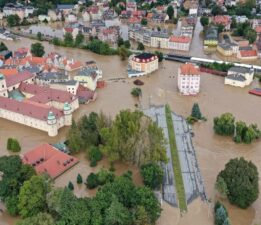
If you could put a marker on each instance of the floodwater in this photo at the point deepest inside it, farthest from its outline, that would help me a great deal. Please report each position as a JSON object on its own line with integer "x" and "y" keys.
{"x": 213, "y": 151}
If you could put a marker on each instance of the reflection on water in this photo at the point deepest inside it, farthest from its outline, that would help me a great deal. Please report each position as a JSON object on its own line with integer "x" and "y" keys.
{"x": 159, "y": 88}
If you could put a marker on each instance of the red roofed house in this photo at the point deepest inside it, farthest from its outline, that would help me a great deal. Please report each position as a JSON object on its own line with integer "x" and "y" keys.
{"x": 47, "y": 159}
{"x": 247, "y": 54}
{"x": 180, "y": 43}
{"x": 222, "y": 20}
{"x": 188, "y": 79}
{"x": 258, "y": 29}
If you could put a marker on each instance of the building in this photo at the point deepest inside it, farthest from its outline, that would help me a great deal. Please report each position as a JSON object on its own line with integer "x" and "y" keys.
{"x": 222, "y": 20}
{"x": 239, "y": 76}
{"x": 179, "y": 43}
{"x": 249, "y": 54}
{"x": 143, "y": 64}
{"x": 47, "y": 78}
{"x": 18, "y": 9}
{"x": 159, "y": 39}
{"x": 88, "y": 77}
{"x": 49, "y": 160}
{"x": 188, "y": 79}
{"x": 211, "y": 37}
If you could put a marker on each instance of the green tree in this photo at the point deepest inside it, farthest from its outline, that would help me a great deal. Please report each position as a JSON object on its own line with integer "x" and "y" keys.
{"x": 140, "y": 46}
{"x": 144, "y": 22}
{"x": 94, "y": 155}
{"x": 3, "y": 47}
{"x": 159, "y": 55}
{"x": 37, "y": 49}
{"x": 196, "y": 113}
{"x": 120, "y": 42}
{"x": 170, "y": 11}
{"x": 241, "y": 178}
{"x": 31, "y": 204}
{"x": 125, "y": 139}
{"x": 9, "y": 143}
{"x": 11, "y": 205}
{"x": 68, "y": 39}
{"x": 221, "y": 186}
{"x": 204, "y": 20}
{"x": 39, "y": 219}
{"x": 105, "y": 176}
{"x": 152, "y": 175}
{"x": 127, "y": 44}
{"x": 70, "y": 186}
{"x": 79, "y": 179}
{"x": 224, "y": 125}
{"x": 220, "y": 215}
{"x": 117, "y": 214}
{"x": 56, "y": 41}
{"x": 136, "y": 92}
{"x": 92, "y": 181}
{"x": 74, "y": 138}
{"x": 79, "y": 39}
{"x": 39, "y": 36}
{"x": 123, "y": 52}
{"x": 13, "y": 20}
{"x": 141, "y": 216}
{"x": 250, "y": 35}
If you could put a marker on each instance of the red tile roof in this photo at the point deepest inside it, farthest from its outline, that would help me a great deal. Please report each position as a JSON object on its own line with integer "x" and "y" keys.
{"x": 18, "y": 78}
{"x": 27, "y": 108}
{"x": 258, "y": 29}
{"x": 43, "y": 94}
{"x": 47, "y": 159}
{"x": 248, "y": 53}
{"x": 180, "y": 39}
{"x": 225, "y": 20}
{"x": 189, "y": 69}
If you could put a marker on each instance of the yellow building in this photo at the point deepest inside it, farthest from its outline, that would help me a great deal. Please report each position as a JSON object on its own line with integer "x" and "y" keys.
{"x": 143, "y": 64}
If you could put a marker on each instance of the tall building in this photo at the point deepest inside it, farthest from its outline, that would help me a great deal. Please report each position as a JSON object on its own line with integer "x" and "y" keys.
{"x": 188, "y": 79}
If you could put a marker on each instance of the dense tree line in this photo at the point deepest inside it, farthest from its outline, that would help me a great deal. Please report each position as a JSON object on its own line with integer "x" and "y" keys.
{"x": 226, "y": 125}
{"x": 239, "y": 182}
{"x": 245, "y": 30}
{"x": 130, "y": 137}
{"x": 117, "y": 201}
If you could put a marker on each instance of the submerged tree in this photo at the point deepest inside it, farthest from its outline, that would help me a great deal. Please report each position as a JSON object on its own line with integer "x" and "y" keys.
{"x": 196, "y": 113}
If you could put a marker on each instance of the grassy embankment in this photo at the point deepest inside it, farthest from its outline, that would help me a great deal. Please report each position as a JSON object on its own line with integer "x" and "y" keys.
{"x": 175, "y": 162}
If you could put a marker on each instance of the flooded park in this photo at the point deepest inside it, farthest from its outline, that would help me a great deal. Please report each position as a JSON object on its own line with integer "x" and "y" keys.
{"x": 159, "y": 88}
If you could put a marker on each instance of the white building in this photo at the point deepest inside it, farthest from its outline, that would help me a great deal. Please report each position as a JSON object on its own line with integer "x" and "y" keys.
{"x": 188, "y": 79}
{"x": 239, "y": 76}
{"x": 180, "y": 43}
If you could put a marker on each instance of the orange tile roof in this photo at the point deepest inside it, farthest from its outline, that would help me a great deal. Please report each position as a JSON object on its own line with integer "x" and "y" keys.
{"x": 180, "y": 39}
{"x": 189, "y": 69}
{"x": 258, "y": 29}
{"x": 8, "y": 72}
{"x": 47, "y": 159}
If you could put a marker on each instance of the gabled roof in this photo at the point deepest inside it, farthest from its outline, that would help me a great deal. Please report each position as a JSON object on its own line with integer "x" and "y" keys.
{"x": 189, "y": 69}
{"x": 18, "y": 78}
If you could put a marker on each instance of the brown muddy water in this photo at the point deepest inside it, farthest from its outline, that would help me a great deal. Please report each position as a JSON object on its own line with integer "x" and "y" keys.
{"x": 160, "y": 88}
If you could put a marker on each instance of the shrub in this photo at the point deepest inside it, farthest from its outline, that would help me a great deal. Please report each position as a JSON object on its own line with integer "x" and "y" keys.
{"x": 224, "y": 125}
{"x": 136, "y": 92}
{"x": 13, "y": 145}
{"x": 152, "y": 175}
{"x": 94, "y": 155}
{"x": 92, "y": 181}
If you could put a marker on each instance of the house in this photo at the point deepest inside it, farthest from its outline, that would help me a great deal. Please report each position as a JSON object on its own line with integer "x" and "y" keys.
{"x": 109, "y": 35}
{"x": 73, "y": 28}
{"x": 47, "y": 159}
{"x": 227, "y": 49}
{"x": 241, "y": 19}
{"x": 222, "y": 20}
{"x": 188, "y": 79}
{"x": 65, "y": 8}
{"x": 43, "y": 18}
{"x": 179, "y": 43}
{"x": 131, "y": 5}
{"x": 18, "y": 9}
{"x": 247, "y": 54}
{"x": 49, "y": 77}
{"x": 95, "y": 13}
{"x": 239, "y": 76}
{"x": 193, "y": 8}
{"x": 88, "y": 77}
{"x": 6, "y": 54}
{"x": 71, "y": 18}
{"x": 86, "y": 16}
{"x": 143, "y": 64}
{"x": 211, "y": 37}
{"x": 159, "y": 39}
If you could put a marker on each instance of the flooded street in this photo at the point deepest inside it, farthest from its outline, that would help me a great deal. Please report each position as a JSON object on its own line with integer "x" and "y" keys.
{"x": 213, "y": 151}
